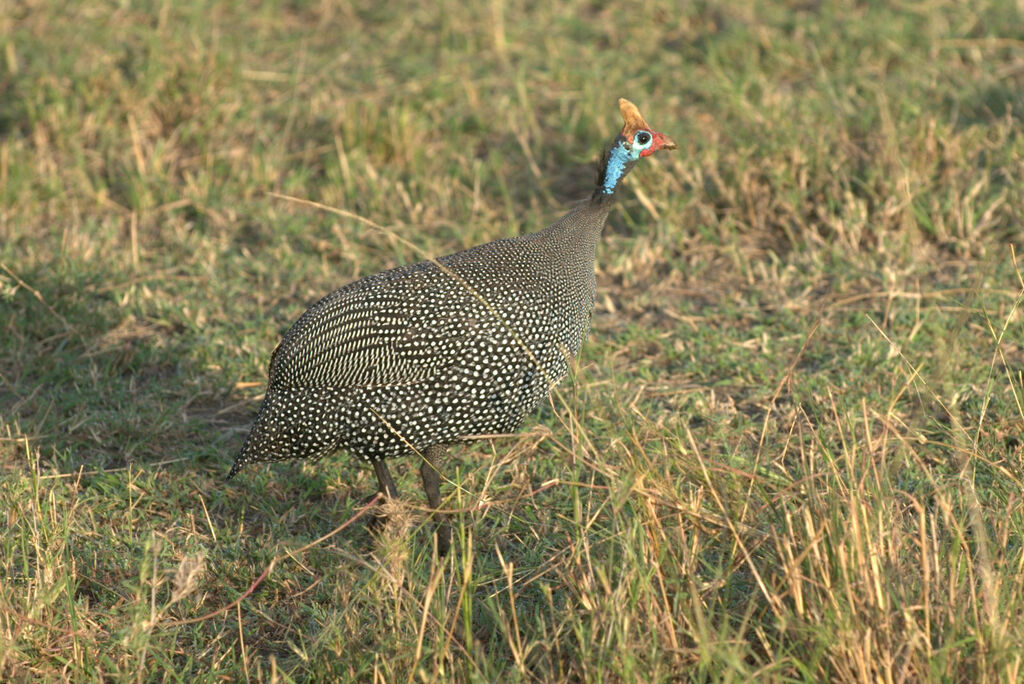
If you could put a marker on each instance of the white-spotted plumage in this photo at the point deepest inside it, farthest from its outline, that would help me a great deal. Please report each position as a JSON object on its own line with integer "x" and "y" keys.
{"x": 427, "y": 354}
{"x": 432, "y": 352}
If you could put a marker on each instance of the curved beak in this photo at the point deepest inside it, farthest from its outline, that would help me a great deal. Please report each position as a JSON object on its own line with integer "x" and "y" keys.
{"x": 663, "y": 142}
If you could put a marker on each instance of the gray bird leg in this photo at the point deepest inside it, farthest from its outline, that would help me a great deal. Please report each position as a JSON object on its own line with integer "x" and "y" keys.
{"x": 387, "y": 485}
{"x": 430, "y": 471}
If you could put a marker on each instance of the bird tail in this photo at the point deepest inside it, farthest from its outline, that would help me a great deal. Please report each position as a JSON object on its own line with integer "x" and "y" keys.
{"x": 278, "y": 433}
{"x": 234, "y": 470}
{"x": 245, "y": 454}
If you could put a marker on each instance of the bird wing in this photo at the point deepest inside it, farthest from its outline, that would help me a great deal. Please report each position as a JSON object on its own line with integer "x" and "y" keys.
{"x": 403, "y": 326}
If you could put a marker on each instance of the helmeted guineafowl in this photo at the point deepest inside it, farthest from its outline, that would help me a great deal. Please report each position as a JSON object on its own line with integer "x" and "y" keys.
{"x": 413, "y": 359}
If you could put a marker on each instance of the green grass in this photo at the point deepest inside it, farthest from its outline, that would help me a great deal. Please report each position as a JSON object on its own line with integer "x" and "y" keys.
{"x": 791, "y": 448}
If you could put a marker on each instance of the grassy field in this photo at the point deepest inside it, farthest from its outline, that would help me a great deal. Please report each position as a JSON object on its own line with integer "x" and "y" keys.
{"x": 791, "y": 449}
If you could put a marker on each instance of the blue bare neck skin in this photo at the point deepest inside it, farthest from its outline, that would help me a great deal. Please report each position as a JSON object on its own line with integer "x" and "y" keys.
{"x": 616, "y": 168}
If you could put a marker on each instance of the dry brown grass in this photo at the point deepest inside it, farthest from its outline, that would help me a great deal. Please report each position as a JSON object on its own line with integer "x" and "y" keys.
{"x": 791, "y": 448}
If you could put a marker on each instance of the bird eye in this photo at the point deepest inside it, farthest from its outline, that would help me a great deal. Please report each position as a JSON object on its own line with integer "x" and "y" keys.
{"x": 642, "y": 138}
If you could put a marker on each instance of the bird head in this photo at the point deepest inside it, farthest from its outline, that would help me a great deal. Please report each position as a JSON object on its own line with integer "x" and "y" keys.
{"x": 638, "y": 138}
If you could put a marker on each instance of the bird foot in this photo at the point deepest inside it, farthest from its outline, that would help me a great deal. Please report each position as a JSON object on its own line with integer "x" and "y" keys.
{"x": 444, "y": 538}
{"x": 377, "y": 516}
{"x": 384, "y": 513}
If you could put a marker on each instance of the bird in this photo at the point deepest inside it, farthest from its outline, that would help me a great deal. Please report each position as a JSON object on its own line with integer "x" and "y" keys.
{"x": 415, "y": 359}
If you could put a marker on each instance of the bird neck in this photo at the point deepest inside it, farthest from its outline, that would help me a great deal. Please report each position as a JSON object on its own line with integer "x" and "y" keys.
{"x": 615, "y": 164}
{"x": 574, "y": 237}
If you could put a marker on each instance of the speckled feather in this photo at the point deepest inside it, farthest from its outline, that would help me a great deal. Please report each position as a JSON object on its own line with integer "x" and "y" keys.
{"x": 429, "y": 353}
